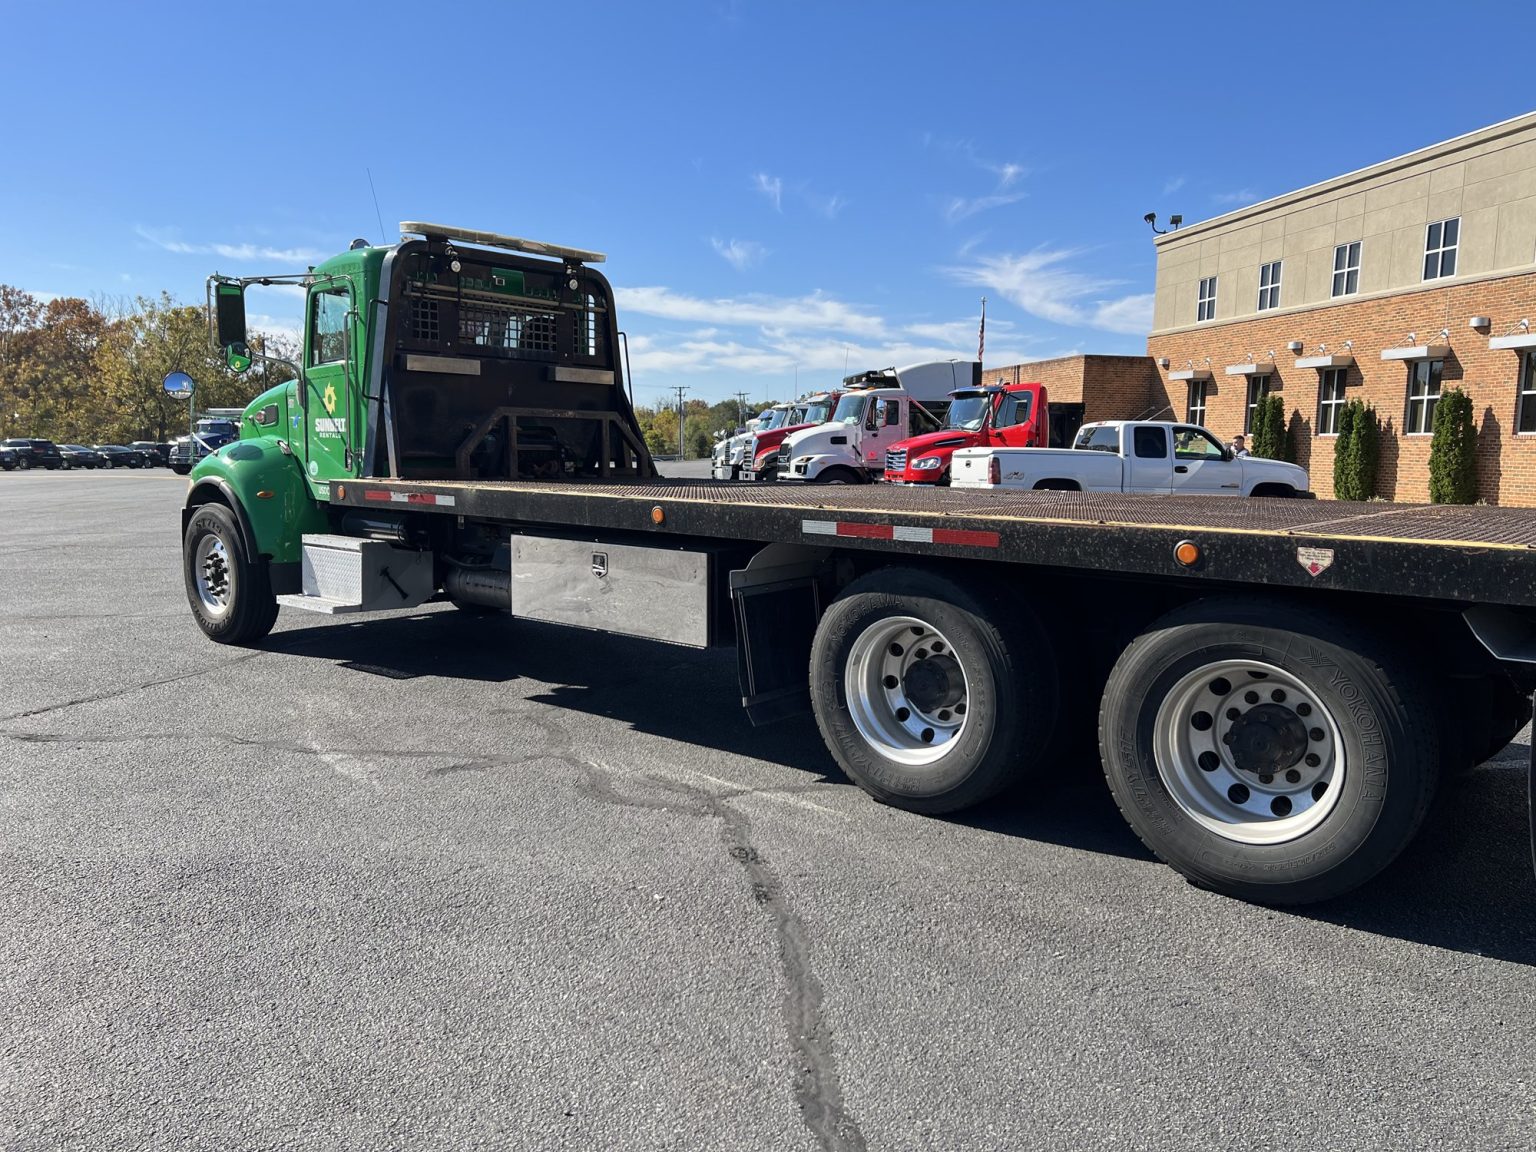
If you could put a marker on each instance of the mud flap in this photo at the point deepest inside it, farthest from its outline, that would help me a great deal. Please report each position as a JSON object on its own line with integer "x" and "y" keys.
{"x": 778, "y": 604}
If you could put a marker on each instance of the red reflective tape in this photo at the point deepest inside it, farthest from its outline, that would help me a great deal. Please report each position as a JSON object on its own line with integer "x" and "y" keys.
{"x": 419, "y": 498}
{"x": 963, "y": 536}
{"x": 375, "y": 494}
{"x": 866, "y": 531}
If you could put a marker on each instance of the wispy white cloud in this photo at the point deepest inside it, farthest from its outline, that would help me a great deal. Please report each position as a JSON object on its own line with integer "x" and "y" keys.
{"x": 1173, "y": 184}
{"x": 170, "y": 242}
{"x": 816, "y": 312}
{"x": 828, "y": 206}
{"x": 1007, "y": 174}
{"x": 771, "y": 187}
{"x": 1043, "y": 283}
{"x": 1241, "y": 196}
{"x": 739, "y": 254}
{"x": 959, "y": 208}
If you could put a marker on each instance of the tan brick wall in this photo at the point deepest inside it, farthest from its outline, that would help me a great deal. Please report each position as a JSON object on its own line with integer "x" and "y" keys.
{"x": 1108, "y": 387}
{"x": 1506, "y": 461}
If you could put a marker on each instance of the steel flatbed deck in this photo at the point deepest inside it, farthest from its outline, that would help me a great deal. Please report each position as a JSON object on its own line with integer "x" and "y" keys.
{"x": 1456, "y": 554}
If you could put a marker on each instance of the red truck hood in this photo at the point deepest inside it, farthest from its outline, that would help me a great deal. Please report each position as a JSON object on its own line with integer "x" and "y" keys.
{"x": 948, "y": 440}
{"x": 776, "y": 437}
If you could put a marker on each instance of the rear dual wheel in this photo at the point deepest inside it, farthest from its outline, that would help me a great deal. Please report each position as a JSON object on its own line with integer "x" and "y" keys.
{"x": 1277, "y": 764}
{"x": 930, "y": 697}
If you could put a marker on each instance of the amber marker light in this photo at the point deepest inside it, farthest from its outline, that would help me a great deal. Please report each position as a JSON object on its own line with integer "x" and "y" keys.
{"x": 264, "y": 494}
{"x": 658, "y": 516}
{"x": 1187, "y": 553}
{"x": 341, "y": 491}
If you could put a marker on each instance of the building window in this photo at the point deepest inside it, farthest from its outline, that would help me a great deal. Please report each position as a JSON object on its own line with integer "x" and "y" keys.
{"x": 1195, "y": 413}
{"x": 1423, "y": 392}
{"x": 1269, "y": 286}
{"x": 1525, "y": 411}
{"x": 1258, "y": 388}
{"x": 1346, "y": 269}
{"x": 1330, "y": 401}
{"x": 1206, "y": 308}
{"x": 1440, "y": 242}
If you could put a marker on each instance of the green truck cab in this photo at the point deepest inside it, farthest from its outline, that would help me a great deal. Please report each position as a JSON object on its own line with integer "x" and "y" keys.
{"x": 454, "y": 354}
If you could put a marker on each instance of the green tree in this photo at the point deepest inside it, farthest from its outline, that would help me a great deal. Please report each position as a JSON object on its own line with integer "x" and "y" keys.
{"x": 1269, "y": 436}
{"x": 1453, "y": 450}
{"x": 1356, "y": 451}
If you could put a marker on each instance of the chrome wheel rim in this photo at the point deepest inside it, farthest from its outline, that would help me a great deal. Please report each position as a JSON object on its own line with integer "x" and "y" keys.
{"x": 1248, "y": 752}
{"x": 215, "y": 575}
{"x": 908, "y": 694}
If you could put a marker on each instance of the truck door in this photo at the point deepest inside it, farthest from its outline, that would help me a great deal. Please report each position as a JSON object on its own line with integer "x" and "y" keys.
{"x": 886, "y": 424}
{"x": 1147, "y": 464}
{"x": 1200, "y": 464}
{"x": 1013, "y": 424}
{"x": 330, "y": 423}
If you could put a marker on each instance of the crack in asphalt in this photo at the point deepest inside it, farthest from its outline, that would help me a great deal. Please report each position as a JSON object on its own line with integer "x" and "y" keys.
{"x": 817, "y": 1086}
{"x": 96, "y": 697}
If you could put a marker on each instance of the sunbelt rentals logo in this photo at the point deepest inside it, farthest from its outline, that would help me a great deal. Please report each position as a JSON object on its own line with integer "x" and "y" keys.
{"x": 330, "y": 425}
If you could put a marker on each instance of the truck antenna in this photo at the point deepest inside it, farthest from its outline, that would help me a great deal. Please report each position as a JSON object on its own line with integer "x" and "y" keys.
{"x": 383, "y": 239}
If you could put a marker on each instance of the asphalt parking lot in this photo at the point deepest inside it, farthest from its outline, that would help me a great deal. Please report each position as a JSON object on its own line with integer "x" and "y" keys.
{"x": 433, "y": 882}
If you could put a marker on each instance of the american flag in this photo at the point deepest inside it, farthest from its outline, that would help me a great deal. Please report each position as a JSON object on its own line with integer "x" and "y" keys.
{"x": 981, "y": 335}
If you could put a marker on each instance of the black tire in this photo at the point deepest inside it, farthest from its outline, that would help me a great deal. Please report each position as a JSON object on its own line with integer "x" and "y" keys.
{"x": 839, "y": 475}
{"x": 1274, "y": 492}
{"x": 180, "y": 470}
{"x": 1009, "y": 685}
{"x": 250, "y": 608}
{"x": 1384, "y": 752}
{"x": 1058, "y": 486}
{"x": 769, "y": 474}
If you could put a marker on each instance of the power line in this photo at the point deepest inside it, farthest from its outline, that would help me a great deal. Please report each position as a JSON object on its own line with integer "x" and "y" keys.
{"x": 679, "y": 389}
{"x": 741, "y": 407}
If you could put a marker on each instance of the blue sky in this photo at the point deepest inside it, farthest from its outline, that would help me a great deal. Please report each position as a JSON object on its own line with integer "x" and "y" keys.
{"x": 783, "y": 189}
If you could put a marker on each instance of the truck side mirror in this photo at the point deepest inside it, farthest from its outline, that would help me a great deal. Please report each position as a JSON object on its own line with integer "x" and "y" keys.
{"x": 229, "y": 315}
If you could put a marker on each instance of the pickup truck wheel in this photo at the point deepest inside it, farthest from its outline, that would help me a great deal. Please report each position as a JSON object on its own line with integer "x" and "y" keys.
{"x": 929, "y": 698}
{"x": 1277, "y": 764}
{"x": 231, "y": 597}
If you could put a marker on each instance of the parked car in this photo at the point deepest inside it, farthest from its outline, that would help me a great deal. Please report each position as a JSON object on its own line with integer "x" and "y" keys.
{"x": 157, "y": 454}
{"x": 11, "y": 459}
{"x": 79, "y": 456}
{"x": 120, "y": 456}
{"x": 40, "y": 453}
{"x": 1132, "y": 456}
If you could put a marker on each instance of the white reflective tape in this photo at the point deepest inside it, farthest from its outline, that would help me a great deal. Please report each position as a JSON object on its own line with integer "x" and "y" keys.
{"x": 819, "y": 527}
{"x": 912, "y": 535}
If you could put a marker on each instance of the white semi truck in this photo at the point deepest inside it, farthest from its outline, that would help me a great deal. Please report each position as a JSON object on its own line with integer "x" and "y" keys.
{"x": 877, "y": 409}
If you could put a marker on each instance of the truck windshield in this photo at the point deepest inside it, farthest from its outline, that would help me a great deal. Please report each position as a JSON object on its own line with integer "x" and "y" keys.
{"x": 968, "y": 412}
{"x": 850, "y": 409}
{"x": 817, "y": 414}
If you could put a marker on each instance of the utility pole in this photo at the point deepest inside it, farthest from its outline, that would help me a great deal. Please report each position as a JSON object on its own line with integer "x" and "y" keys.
{"x": 741, "y": 407}
{"x": 680, "y": 389}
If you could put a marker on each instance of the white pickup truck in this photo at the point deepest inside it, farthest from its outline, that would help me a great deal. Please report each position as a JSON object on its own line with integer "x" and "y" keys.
{"x": 1131, "y": 456}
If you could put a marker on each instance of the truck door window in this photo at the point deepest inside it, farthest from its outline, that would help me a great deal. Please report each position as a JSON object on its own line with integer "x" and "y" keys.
{"x": 892, "y": 413}
{"x": 1151, "y": 443}
{"x": 1196, "y": 444}
{"x": 328, "y": 325}
{"x": 1014, "y": 410}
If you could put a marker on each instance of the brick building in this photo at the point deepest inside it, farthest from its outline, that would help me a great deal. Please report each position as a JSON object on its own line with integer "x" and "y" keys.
{"x": 1387, "y": 284}
{"x": 1084, "y": 388}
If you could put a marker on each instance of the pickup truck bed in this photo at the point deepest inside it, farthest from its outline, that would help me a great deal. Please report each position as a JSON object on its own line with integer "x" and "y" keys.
{"x": 1439, "y": 553}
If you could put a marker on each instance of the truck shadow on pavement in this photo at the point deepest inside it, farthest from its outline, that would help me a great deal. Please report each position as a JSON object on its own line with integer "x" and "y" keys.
{"x": 1465, "y": 884}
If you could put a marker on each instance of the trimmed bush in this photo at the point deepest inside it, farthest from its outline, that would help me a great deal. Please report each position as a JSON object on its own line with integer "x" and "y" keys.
{"x": 1356, "y": 452}
{"x": 1453, "y": 450}
{"x": 1270, "y": 437}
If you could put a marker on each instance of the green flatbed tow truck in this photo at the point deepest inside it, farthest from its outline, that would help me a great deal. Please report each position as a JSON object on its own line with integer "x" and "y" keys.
{"x": 1277, "y": 687}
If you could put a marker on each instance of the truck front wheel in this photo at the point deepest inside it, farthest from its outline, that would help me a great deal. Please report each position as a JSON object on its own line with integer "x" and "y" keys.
{"x": 230, "y": 594}
{"x": 930, "y": 698}
{"x": 1268, "y": 753}
{"x": 838, "y": 475}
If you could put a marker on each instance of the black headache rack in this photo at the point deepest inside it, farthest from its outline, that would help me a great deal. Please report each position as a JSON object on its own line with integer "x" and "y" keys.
{"x": 498, "y": 365}
{"x": 1457, "y": 555}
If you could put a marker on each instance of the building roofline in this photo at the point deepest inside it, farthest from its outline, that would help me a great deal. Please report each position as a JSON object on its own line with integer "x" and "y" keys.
{"x": 1381, "y": 168}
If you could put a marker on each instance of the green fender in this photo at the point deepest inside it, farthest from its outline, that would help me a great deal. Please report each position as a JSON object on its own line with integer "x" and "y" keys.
{"x": 264, "y": 485}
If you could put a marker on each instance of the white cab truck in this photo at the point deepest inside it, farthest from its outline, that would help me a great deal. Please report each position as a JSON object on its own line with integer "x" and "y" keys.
{"x": 729, "y": 452}
{"x": 1147, "y": 456}
{"x": 877, "y": 409}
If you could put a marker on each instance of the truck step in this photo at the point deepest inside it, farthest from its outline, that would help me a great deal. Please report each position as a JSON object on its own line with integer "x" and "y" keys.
{"x": 344, "y": 574}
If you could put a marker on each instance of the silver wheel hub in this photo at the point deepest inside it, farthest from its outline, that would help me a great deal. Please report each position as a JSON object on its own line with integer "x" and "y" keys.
{"x": 215, "y": 575}
{"x": 908, "y": 695}
{"x": 1248, "y": 752}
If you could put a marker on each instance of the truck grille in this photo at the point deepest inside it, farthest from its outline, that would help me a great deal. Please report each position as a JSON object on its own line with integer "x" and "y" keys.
{"x": 896, "y": 460}
{"x": 783, "y": 458}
